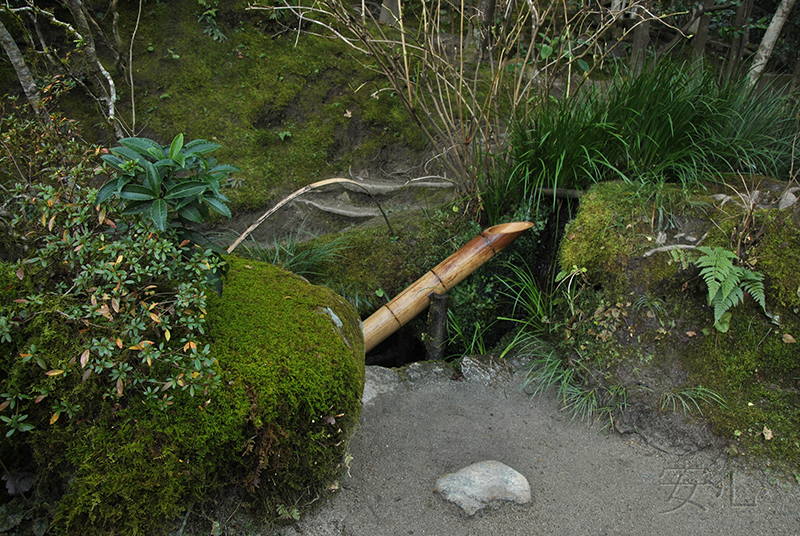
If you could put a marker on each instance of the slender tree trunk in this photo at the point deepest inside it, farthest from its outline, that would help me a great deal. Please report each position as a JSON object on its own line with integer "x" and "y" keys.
{"x": 770, "y": 38}
{"x": 23, "y": 73}
{"x": 641, "y": 39}
{"x": 741, "y": 26}
{"x": 701, "y": 37}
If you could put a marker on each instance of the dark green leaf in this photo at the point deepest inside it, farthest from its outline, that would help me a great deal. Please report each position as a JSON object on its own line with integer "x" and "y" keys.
{"x": 113, "y": 161}
{"x": 204, "y": 147}
{"x": 218, "y": 206}
{"x": 143, "y": 146}
{"x": 125, "y": 153}
{"x": 190, "y": 213}
{"x": 186, "y": 189}
{"x": 153, "y": 177}
{"x": 110, "y": 188}
{"x": 137, "y": 193}
{"x": 166, "y": 162}
{"x": 158, "y": 213}
{"x": 225, "y": 168}
{"x": 137, "y": 207}
{"x": 176, "y": 146}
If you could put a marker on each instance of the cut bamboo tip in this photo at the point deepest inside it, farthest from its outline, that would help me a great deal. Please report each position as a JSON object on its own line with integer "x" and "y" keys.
{"x": 450, "y": 272}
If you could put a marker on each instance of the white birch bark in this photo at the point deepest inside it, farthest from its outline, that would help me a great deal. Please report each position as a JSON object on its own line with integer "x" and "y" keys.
{"x": 770, "y": 38}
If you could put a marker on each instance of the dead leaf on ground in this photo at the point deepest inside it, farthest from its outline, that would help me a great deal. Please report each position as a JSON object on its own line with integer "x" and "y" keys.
{"x": 767, "y": 433}
{"x": 788, "y": 339}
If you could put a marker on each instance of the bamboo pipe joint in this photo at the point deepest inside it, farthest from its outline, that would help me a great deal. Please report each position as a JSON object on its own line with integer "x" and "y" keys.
{"x": 450, "y": 272}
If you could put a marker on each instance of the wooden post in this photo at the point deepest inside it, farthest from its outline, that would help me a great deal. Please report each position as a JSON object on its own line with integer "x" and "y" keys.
{"x": 436, "y": 337}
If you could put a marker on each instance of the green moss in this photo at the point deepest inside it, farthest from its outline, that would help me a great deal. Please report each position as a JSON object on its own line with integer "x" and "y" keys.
{"x": 778, "y": 258}
{"x": 758, "y": 374}
{"x": 291, "y": 358}
{"x": 754, "y": 366}
{"x": 608, "y": 237}
{"x": 132, "y": 469}
{"x": 277, "y": 336}
{"x": 287, "y": 112}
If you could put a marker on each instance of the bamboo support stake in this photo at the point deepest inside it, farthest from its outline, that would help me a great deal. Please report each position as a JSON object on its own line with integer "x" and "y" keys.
{"x": 440, "y": 280}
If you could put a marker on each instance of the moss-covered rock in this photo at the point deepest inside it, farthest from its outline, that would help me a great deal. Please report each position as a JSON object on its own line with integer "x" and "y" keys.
{"x": 298, "y": 350}
{"x": 291, "y": 356}
{"x": 642, "y": 324}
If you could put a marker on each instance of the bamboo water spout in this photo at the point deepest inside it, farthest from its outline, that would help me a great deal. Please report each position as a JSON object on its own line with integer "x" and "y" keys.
{"x": 440, "y": 280}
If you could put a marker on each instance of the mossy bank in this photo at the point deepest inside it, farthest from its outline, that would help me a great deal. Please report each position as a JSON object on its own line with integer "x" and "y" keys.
{"x": 639, "y": 317}
{"x": 274, "y": 432}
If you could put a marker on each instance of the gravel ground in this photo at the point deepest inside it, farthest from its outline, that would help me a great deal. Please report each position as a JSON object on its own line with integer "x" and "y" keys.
{"x": 422, "y": 423}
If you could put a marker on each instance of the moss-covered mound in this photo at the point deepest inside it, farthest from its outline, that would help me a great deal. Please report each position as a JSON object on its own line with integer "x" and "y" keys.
{"x": 639, "y": 316}
{"x": 298, "y": 350}
{"x": 292, "y": 362}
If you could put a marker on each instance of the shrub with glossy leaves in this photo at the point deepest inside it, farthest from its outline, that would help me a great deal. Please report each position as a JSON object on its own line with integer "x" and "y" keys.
{"x": 175, "y": 183}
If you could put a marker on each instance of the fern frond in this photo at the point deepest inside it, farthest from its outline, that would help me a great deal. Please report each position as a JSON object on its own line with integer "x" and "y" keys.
{"x": 730, "y": 283}
{"x": 753, "y": 283}
{"x": 717, "y": 266}
{"x": 722, "y": 305}
{"x": 727, "y": 282}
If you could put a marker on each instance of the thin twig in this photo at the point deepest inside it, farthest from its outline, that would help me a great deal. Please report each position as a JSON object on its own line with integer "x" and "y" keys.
{"x": 296, "y": 194}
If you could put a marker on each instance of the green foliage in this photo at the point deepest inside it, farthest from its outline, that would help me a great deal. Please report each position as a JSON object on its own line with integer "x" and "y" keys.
{"x": 670, "y": 124}
{"x": 103, "y": 343}
{"x": 727, "y": 282}
{"x": 171, "y": 187}
{"x": 175, "y": 184}
{"x": 292, "y": 255}
{"x": 208, "y": 18}
{"x": 131, "y": 303}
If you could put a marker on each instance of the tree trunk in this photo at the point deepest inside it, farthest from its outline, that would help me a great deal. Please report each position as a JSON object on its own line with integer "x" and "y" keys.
{"x": 487, "y": 9}
{"x": 770, "y": 38}
{"x": 23, "y": 74}
{"x": 701, "y": 37}
{"x": 741, "y": 39}
{"x": 641, "y": 38}
{"x": 795, "y": 77}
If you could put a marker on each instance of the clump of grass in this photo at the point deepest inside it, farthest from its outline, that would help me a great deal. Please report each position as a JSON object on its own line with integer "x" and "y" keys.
{"x": 521, "y": 288}
{"x": 654, "y": 306}
{"x": 470, "y": 340}
{"x": 673, "y": 123}
{"x": 290, "y": 253}
{"x": 689, "y": 397}
{"x": 574, "y": 393}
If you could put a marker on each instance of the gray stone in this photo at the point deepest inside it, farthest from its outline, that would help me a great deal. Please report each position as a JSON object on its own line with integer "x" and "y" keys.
{"x": 787, "y": 200}
{"x": 378, "y": 380}
{"x": 483, "y": 483}
{"x": 425, "y": 373}
{"x": 482, "y": 369}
